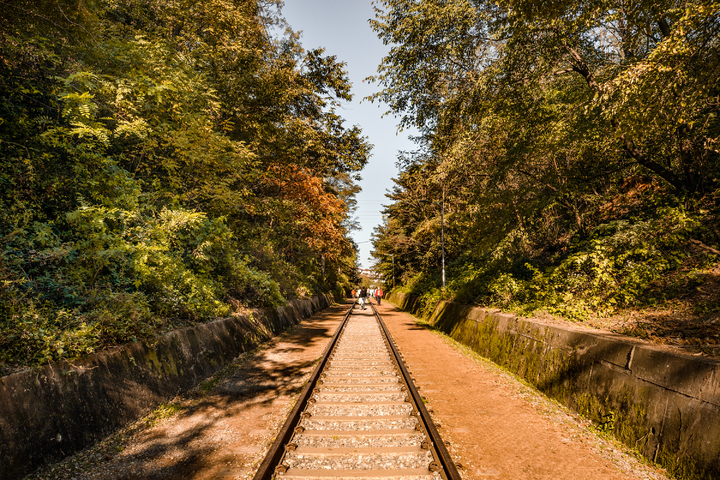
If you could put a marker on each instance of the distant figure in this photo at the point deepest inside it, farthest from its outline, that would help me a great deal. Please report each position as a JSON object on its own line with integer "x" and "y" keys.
{"x": 378, "y": 294}
{"x": 352, "y": 293}
{"x": 362, "y": 296}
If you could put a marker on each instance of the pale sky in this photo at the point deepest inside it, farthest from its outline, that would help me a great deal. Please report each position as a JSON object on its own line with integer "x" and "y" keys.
{"x": 341, "y": 27}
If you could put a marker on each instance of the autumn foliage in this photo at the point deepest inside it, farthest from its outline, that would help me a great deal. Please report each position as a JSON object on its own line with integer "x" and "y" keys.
{"x": 574, "y": 146}
{"x": 163, "y": 163}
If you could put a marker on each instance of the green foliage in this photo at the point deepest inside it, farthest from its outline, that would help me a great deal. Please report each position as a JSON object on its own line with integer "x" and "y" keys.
{"x": 572, "y": 144}
{"x": 118, "y": 273}
{"x": 622, "y": 263}
{"x": 163, "y": 164}
{"x": 615, "y": 267}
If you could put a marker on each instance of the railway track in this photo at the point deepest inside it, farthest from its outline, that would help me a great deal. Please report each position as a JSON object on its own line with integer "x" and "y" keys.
{"x": 359, "y": 415}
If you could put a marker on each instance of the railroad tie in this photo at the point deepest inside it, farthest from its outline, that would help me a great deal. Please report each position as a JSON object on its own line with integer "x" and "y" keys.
{"x": 360, "y": 419}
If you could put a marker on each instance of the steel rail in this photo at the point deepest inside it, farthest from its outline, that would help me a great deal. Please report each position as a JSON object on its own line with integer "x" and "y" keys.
{"x": 274, "y": 455}
{"x": 446, "y": 461}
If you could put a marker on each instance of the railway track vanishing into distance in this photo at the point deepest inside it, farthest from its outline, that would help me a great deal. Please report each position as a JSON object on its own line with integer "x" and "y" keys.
{"x": 359, "y": 415}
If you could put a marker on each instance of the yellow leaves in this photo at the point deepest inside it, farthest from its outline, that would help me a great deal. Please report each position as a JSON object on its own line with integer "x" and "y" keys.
{"x": 228, "y": 125}
{"x": 138, "y": 127}
{"x": 140, "y": 40}
{"x": 173, "y": 220}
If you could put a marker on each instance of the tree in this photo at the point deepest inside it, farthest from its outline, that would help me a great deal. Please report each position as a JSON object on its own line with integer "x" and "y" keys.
{"x": 163, "y": 163}
{"x": 556, "y": 134}
{"x": 641, "y": 73}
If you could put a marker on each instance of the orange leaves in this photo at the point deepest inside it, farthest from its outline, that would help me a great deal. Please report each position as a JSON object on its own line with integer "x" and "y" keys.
{"x": 298, "y": 184}
{"x": 316, "y": 214}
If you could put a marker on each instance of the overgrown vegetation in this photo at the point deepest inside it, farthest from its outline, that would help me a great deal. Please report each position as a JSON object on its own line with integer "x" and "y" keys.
{"x": 574, "y": 146}
{"x": 163, "y": 162}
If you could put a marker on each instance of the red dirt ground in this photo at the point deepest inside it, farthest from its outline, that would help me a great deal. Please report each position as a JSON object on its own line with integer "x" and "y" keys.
{"x": 497, "y": 427}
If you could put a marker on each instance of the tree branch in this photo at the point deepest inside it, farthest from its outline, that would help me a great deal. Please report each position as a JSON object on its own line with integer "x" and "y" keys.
{"x": 534, "y": 177}
{"x": 649, "y": 35}
{"x": 582, "y": 68}
{"x": 698, "y": 243}
{"x": 664, "y": 27}
{"x": 661, "y": 171}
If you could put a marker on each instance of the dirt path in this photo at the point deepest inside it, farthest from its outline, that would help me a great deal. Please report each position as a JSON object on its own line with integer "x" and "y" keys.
{"x": 495, "y": 426}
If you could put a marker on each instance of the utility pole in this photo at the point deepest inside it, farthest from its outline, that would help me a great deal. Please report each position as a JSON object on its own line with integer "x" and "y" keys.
{"x": 393, "y": 268}
{"x": 442, "y": 236}
{"x": 393, "y": 265}
{"x": 442, "y": 233}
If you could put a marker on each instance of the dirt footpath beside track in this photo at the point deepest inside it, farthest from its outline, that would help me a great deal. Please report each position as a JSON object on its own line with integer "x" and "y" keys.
{"x": 495, "y": 426}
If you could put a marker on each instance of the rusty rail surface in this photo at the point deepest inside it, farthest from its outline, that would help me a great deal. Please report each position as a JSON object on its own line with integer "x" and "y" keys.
{"x": 274, "y": 455}
{"x": 448, "y": 464}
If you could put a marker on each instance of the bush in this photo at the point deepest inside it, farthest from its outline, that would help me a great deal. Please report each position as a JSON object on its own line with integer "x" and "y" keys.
{"x": 110, "y": 276}
{"x": 619, "y": 264}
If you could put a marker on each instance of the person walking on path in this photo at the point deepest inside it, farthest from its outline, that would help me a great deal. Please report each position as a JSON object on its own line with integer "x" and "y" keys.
{"x": 378, "y": 294}
{"x": 362, "y": 296}
{"x": 352, "y": 293}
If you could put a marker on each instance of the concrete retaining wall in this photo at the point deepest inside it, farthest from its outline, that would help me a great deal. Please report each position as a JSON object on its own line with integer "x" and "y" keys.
{"x": 47, "y": 414}
{"x": 666, "y": 405}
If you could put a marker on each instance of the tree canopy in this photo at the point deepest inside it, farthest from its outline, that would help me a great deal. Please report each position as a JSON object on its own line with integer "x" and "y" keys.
{"x": 164, "y": 162}
{"x": 574, "y": 144}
